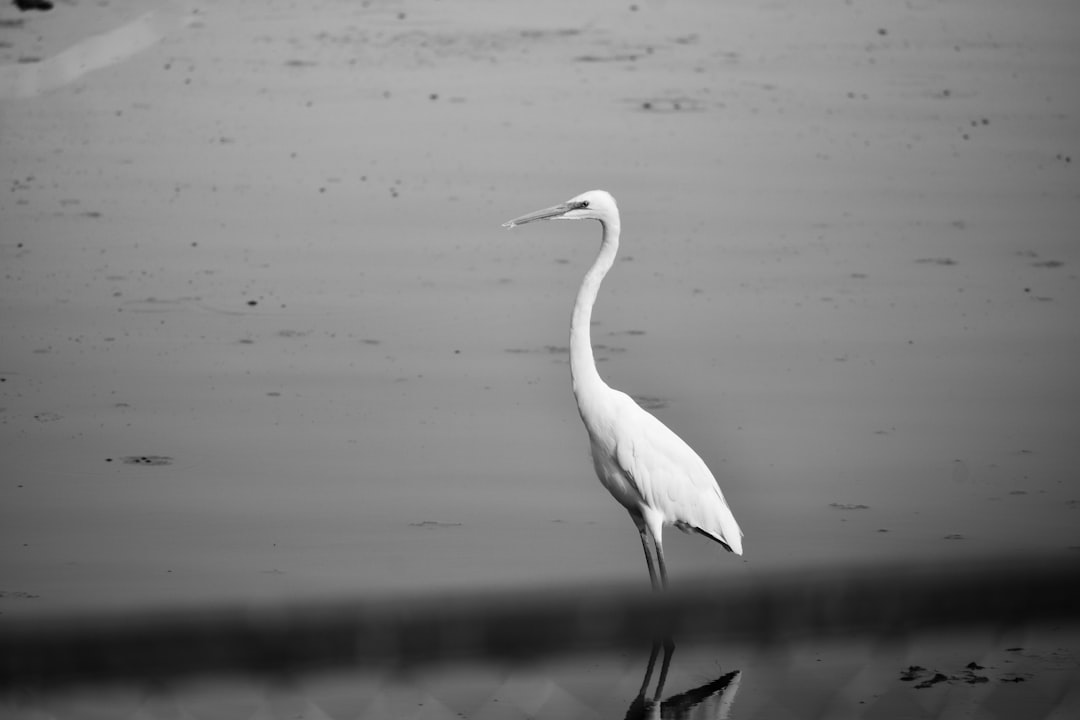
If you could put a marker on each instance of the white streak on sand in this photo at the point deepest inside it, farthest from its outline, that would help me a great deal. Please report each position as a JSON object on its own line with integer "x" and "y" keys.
{"x": 26, "y": 80}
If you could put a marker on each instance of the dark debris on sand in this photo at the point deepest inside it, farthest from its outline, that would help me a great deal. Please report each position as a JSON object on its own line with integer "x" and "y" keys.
{"x": 970, "y": 674}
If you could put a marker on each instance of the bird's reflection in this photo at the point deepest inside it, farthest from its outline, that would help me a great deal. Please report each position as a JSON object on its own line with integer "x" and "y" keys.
{"x": 712, "y": 700}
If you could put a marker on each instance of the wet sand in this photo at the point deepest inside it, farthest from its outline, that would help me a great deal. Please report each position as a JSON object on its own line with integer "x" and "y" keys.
{"x": 264, "y": 339}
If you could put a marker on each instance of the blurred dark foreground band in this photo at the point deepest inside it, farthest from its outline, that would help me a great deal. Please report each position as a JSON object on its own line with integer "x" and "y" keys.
{"x": 870, "y": 604}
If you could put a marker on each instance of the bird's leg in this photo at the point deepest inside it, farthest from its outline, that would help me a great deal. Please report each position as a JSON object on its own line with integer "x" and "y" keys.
{"x": 660, "y": 559}
{"x": 645, "y": 546}
{"x": 669, "y": 650}
{"x": 649, "y": 669}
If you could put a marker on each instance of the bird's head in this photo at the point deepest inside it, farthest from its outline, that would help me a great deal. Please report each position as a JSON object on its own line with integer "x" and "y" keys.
{"x": 592, "y": 205}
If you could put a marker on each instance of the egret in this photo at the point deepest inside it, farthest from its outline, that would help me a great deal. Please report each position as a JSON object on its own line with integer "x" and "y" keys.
{"x": 646, "y": 467}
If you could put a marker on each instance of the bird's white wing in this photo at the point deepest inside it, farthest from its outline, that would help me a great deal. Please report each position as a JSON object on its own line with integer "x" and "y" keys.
{"x": 671, "y": 477}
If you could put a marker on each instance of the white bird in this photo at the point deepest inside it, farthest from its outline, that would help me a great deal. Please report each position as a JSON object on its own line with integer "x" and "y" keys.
{"x": 649, "y": 469}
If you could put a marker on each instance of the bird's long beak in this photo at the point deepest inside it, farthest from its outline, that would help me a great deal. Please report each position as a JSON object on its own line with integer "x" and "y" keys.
{"x": 550, "y": 213}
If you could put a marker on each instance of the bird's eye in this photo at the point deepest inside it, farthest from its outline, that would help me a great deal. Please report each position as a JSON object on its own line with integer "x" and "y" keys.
{"x": 584, "y": 203}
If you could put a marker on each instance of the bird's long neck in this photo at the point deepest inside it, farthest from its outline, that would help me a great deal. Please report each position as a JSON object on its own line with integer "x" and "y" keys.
{"x": 583, "y": 371}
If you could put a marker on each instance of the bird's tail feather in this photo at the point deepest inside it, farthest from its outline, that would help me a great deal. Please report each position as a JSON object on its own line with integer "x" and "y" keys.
{"x": 714, "y": 538}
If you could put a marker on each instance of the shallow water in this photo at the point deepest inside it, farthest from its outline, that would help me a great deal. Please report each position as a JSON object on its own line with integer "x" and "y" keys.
{"x": 951, "y": 676}
{"x": 266, "y": 250}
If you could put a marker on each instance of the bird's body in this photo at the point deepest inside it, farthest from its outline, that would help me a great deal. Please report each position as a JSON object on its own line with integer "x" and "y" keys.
{"x": 645, "y": 466}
